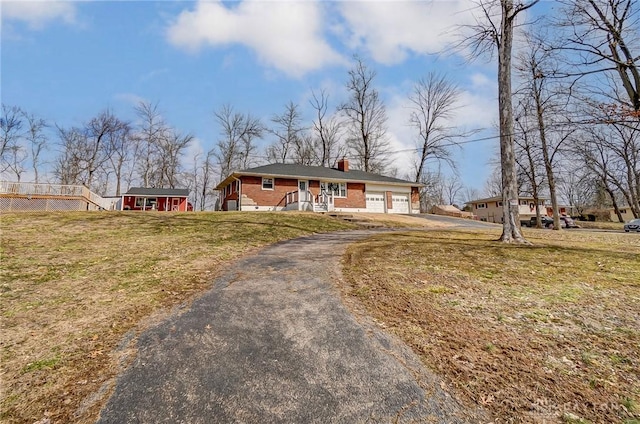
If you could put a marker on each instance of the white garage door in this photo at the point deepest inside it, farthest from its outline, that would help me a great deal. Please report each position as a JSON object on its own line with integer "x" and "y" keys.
{"x": 400, "y": 203}
{"x": 375, "y": 202}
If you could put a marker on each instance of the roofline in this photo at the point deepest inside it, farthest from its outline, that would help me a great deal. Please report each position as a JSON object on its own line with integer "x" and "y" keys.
{"x": 236, "y": 175}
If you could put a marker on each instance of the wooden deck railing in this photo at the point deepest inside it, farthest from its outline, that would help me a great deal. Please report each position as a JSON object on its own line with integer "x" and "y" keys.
{"x": 53, "y": 190}
{"x": 8, "y": 187}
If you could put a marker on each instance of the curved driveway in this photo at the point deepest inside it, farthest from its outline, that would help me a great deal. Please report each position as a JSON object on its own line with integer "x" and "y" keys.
{"x": 271, "y": 342}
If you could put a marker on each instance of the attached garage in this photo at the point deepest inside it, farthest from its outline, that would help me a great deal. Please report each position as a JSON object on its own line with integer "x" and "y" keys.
{"x": 400, "y": 203}
{"x": 375, "y": 202}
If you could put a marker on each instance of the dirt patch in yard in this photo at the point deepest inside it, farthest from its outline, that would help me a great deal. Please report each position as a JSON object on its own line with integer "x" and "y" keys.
{"x": 544, "y": 334}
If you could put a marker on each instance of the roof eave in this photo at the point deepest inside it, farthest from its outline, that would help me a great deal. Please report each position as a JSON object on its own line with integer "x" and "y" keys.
{"x": 237, "y": 175}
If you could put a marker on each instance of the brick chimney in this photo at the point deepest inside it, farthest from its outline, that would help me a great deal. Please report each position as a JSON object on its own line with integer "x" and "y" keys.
{"x": 343, "y": 165}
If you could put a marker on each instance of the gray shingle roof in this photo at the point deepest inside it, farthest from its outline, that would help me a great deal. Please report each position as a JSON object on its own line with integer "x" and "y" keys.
{"x": 160, "y": 192}
{"x": 292, "y": 170}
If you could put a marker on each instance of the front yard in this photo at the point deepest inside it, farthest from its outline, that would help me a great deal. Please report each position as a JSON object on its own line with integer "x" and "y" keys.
{"x": 545, "y": 334}
{"x": 73, "y": 284}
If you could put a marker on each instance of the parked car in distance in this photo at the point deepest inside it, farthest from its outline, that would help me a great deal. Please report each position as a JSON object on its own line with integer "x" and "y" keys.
{"x": 633, "y": 225}
{"x": 547, "y": 222}
{"x": 531, "y": 222}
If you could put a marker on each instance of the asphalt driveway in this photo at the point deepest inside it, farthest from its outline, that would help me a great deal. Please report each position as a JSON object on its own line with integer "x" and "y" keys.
{"x": 272, "y": 342}
{"x": 457, "y": 222}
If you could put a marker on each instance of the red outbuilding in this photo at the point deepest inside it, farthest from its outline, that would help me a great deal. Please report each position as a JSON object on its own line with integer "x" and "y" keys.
{"x": 156, "y": 199}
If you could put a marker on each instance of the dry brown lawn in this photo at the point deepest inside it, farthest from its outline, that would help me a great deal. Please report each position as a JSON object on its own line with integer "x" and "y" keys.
{"x": 77, "y": 287}
{"x": 400, "y": 221}
{"x": 544, "y": 334}
{"x": 618, "y": 226}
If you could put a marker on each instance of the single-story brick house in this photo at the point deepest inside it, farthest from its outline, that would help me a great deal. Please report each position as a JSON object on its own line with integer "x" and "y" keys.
{"x": 156, "y": 199}
{"x": 279, "y": 186}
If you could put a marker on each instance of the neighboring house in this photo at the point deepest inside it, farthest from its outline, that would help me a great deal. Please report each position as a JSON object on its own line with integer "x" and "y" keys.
{"x": 156, "y": 199}
{"x": 608, "y": 214}
{"x": 450, "y": 210}
{"x": 278, "y": 187}
{"x": 490, "y": 209}
{"x": 625, "y": 211}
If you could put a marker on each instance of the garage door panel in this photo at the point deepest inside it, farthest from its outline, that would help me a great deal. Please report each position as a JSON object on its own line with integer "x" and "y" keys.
{"x": 375, "y": 202}
{"x": 400, "y": 203}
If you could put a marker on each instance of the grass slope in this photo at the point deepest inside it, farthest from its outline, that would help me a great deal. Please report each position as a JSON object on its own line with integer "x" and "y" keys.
{"x": 73, "y": 284}
{"x": 549, "y": 333}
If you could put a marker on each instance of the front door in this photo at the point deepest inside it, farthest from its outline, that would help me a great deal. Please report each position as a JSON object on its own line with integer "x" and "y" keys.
{"x": 175, "y": 204}
{"x": 303, "y": 191}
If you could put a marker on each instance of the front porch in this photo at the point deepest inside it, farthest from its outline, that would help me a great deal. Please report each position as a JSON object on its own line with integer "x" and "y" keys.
{"x": 304, "y": 200}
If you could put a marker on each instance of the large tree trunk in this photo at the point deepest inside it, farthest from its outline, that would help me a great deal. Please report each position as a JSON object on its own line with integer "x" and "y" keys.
{"x": 510, "y": 210}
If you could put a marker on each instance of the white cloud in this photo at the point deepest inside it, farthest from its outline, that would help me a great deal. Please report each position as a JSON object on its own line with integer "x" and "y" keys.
{"x": 284, "y": 35}
{"x": 390, "y": 30}
{"x": 401, "y": 135}
{"x": 481, "y": 80}
{"x": 39, "y": 13}
{"x": 479, "y": 103}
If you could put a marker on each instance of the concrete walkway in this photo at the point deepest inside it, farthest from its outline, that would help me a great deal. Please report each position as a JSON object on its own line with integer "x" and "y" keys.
{"x": 272, "y": 342}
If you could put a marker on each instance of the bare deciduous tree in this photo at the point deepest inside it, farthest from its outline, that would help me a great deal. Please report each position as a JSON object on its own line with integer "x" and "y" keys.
{"x": 547, "y": 100}
{"x": 288, "y": 145}
{"x": 171, "y": 149}
{"x": 12, "y": 152}
{"x": 86, "y": 151}
{"x": 602, "y": 36}
{"x": 97, "y": 150}
{"x": 122, "y": 152}
{"x": 528, "y": 156}
{"x": 434, "y": 100}
{"x": 452, "y": 188}
{"x": 328, "y": 132}
{"x": 151, "y": 130}
{"x": 200, "y": 179}
{"x": 159, "y": 148}
{"x": 37, "y": 141}
{"x": 236, "y": 146}
{"x": 611, "y": 153}
{"x": 487, "y": 36}
{"x": 366, "y": 120}
{"x": 206, "y": 192}
{"x": 577, "y": 185}
{"x": 68, "y": 165}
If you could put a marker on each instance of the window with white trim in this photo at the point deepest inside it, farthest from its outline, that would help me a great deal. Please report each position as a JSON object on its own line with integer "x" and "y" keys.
{"x": 267, "y": 183}
{"x": 339, "y": 189}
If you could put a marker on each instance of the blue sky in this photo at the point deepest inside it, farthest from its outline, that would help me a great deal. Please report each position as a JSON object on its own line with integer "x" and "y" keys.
{"x": 67, "y": 61}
